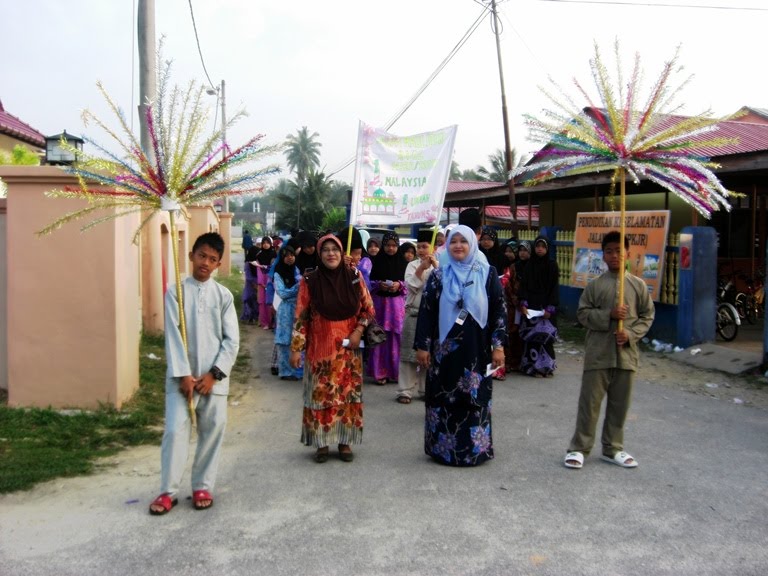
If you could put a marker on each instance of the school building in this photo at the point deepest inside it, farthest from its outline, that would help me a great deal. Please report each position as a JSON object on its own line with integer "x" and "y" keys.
{"x": 742, "y": 232}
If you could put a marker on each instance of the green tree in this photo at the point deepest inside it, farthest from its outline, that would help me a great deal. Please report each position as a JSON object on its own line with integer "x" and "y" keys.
{"x": 20, "y": 156}
{"x": 305, "y": 206}
{"x": 455, "y": 171}
{"x": 335, "y": 219}
{"x": 498, "y": 170}
{"x": 302, "y": 153}
{"x": 464, "y": 175}
{"x": 471, "y": 176}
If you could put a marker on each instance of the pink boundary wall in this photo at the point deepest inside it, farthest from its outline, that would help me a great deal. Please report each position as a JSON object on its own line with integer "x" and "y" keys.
{"x": 74, "y": 301}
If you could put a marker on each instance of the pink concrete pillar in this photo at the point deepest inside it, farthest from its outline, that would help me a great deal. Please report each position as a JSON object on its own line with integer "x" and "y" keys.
{"x": 73, "y": 299}
{"x": 225, "y": 229}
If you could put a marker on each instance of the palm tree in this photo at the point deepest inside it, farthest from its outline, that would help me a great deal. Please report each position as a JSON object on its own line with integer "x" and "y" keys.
{"x": 455, "y": 171}
{"x": 471, "y": 176}
{"x": 318, "y": 196}
{"x": 302, "y": 152}
{"x": 498, "y": 171}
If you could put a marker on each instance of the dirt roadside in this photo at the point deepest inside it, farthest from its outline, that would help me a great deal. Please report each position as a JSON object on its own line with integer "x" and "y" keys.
{"x": 660, "y": 368}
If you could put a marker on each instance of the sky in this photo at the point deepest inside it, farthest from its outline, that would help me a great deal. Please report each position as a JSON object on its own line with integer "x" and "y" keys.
{"x": 326, "y": 64}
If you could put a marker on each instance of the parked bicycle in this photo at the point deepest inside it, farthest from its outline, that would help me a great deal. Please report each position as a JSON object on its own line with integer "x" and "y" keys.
{"x": 750, "y": 303}
{"x": 727, "y": 320}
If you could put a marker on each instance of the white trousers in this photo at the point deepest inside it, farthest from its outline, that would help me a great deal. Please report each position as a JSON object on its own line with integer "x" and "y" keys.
{"x": 211, "y": 412}
{"x": 410, "y": 380}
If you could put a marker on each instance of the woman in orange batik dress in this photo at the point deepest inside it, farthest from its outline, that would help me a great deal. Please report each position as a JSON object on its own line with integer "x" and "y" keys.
{"x": 332, "y": 310}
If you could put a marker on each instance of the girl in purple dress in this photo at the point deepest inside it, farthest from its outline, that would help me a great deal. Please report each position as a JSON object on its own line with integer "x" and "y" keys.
{"x": 388, "y": 290}
{"x": 263, "y": 262}
{"x": 250, "y": 313}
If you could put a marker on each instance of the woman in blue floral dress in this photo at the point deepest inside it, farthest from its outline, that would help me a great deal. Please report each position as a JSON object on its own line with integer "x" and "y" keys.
{"x": 461, "y": 329}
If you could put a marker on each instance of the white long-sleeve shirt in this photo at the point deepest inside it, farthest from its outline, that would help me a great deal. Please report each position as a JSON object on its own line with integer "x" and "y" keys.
{"x": 213, "y": 335}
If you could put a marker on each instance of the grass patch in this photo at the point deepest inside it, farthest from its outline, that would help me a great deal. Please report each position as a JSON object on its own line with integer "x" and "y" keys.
{"x": 571, "y": 331}
{"x": 235, "y": 284}
{"x": 40, "y": 444}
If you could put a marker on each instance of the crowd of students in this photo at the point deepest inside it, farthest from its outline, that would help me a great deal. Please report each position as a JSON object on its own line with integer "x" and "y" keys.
{"x": 455, "y": 320}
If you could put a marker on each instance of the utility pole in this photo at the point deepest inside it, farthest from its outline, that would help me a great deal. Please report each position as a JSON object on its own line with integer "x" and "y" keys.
{"x": 145, "y": 24}
{"x": 505, "y": 119}
{"x": 152, "y": 315}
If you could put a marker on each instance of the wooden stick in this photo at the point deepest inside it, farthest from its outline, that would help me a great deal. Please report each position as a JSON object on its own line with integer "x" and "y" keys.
{"x": 349, "y": 241}
{"x": 434, "y": 236}
{"x": 180, "y": 298}
{"x": 621, "y": 243}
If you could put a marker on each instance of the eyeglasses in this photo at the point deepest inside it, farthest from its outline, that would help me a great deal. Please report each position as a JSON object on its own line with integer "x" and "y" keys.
{"x": 330, "y": 250}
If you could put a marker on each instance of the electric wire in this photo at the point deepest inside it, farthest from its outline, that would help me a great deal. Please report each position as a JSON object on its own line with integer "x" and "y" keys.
{"x": 199, "y": 50}
{"x": 426, "y": 84}
{"x": 215, "y": 89}
{"x": 655, "y": 5}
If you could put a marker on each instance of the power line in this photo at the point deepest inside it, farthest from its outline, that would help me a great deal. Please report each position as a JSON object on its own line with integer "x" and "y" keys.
{"x": 655, "y": 5}
{"x": 199, "y": 50}
{"x": 429, "y": 80}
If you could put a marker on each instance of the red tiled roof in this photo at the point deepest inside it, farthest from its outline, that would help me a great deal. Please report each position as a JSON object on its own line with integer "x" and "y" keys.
{"x": 504, "y": 213}
{"x": 748, "y": 136}
{"x": 501, "y": 212}
{"x": 11, "y": 126}
{"x": 472, "y": 185}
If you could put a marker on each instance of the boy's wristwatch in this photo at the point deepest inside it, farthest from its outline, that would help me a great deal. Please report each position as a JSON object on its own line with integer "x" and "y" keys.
{"x": 217, "y": 373}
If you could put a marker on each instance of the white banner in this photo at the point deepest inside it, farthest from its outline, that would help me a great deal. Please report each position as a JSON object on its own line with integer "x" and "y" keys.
{"x": 400, "y": 180}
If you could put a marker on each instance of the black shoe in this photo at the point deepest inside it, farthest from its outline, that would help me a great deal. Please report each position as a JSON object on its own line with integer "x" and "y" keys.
{"x": 347, "y": 455}
{"x": 274, "y": 371}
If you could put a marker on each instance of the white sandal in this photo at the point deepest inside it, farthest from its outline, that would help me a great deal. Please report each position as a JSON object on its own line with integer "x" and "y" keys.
{"x": 622, "y": 459}
{"x": 574, "y": 460}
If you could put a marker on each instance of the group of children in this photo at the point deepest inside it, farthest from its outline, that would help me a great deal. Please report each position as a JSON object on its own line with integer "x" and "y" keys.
{"x": 197, "y": 381}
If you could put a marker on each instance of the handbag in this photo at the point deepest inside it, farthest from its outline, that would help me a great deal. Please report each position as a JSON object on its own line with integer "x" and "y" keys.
{"x": 374, "y": 334}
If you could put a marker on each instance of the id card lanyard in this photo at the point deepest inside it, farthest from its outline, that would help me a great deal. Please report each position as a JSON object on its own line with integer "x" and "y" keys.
{"x": 463, "y": 312}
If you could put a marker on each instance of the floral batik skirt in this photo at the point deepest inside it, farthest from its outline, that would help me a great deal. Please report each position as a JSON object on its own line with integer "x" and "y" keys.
{"x": 333, "y": 403}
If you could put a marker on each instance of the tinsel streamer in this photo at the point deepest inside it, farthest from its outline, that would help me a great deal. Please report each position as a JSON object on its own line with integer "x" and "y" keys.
{"x": 182, "y": 170}
{"x": 614, "y": 135}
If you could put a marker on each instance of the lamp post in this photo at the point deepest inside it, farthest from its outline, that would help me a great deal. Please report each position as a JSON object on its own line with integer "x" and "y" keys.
{"x": 56, "y": 154}
{"x": 220, "y": 92}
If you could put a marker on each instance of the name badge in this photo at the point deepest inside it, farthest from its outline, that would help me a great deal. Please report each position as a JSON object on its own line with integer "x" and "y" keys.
{"x": 461, "y": 317}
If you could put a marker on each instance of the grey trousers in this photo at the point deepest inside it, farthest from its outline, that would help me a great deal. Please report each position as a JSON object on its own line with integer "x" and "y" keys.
{"x": 410, "y": 380}
{"x": 211, "y": 412}
{"x": 616, "y": 384}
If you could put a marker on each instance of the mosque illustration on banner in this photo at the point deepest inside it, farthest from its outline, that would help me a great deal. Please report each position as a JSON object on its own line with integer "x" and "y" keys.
{"x": 375, "y": 200}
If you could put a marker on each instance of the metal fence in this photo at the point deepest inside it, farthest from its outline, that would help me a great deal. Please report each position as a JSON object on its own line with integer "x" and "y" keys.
{"x": 564, "y": 248}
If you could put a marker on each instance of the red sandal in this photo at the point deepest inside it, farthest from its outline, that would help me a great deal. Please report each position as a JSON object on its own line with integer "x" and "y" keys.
{"x": 166, "y": 502}
{"x": 199, "y": 496}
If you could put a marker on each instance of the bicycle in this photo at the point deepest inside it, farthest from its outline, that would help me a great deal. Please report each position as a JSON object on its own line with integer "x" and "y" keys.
{"x": 727, "y": 320}
{"x": 750, "y": 304}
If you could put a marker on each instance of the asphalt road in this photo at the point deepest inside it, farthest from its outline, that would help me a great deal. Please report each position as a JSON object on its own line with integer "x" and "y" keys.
{"x": 697, "y": 504}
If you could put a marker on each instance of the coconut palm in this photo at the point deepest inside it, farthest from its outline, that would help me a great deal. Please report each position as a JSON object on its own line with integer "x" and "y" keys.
{"x": 302, "y": 152}
{"x": 498, "y": 171}
{"x": 303, "y": 205}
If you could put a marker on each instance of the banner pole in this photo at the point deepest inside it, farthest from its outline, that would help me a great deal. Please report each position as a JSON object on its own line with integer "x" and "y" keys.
{"x": 349, "y": 241}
